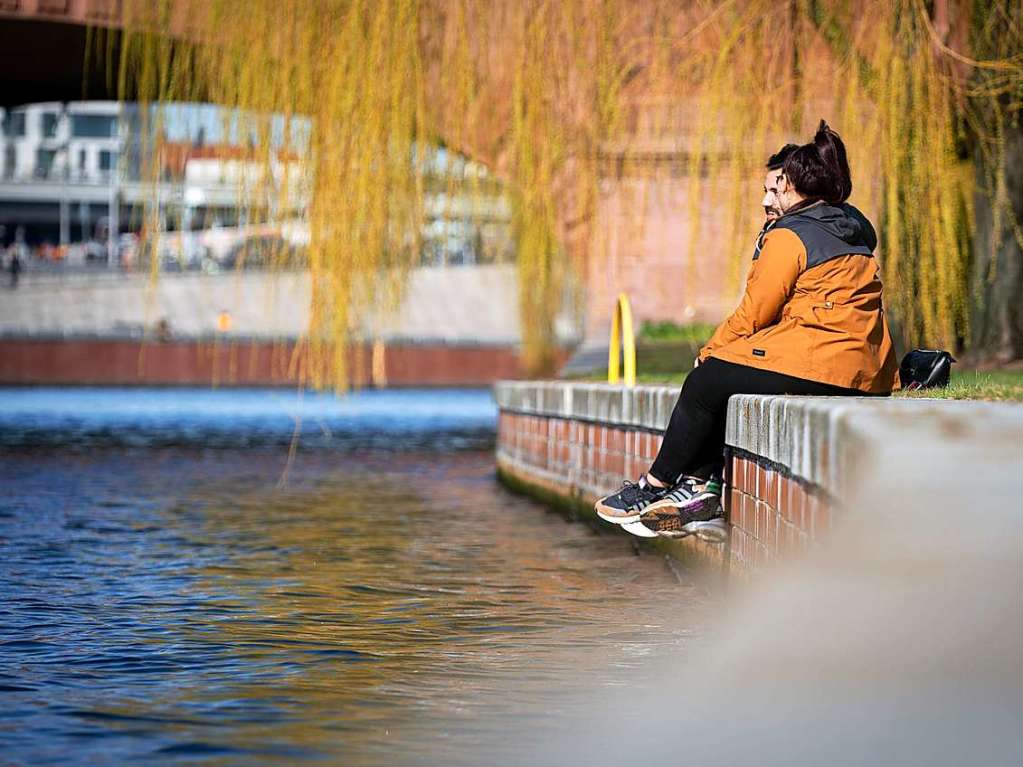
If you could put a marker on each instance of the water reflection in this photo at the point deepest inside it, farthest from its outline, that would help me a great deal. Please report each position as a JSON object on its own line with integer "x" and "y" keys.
{"x": 172, "y": 604}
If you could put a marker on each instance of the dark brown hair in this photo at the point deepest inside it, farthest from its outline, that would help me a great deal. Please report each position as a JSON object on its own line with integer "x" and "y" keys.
{"x": 777, "y": 160}
{"x": 820, "y": 170}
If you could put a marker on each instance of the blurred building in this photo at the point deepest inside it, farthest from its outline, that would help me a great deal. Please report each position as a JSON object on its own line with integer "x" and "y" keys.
{"x": 58, "y": 169}
{"x": 79, "y": 173}
{"x": 72, "y": 173}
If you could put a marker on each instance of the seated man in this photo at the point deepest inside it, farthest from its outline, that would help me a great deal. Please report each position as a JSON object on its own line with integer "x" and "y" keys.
{"x": 811, "y": 322}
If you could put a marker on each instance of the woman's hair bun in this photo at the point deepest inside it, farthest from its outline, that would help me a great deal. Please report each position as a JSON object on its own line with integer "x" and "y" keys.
{"x": 820, "y": 170}
{"x": 822, "y": 138}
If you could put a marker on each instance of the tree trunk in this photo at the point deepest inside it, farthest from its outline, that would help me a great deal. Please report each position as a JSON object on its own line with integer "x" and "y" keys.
{"x": 996, "y": 318}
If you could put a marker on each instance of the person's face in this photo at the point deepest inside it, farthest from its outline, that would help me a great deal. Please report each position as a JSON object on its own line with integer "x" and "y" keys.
{"x": 771, "y": 203}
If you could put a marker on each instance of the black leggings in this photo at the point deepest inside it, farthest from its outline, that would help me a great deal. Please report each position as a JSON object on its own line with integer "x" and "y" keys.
{"x": 694, "y": 442}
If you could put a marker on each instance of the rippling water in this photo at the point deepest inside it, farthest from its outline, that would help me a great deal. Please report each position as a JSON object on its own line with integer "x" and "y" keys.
{"x": 166, "y": 599}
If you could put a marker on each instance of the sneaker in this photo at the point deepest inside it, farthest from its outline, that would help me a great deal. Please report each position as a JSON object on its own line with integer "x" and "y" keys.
{"x": 680, "y": 493}
{"x": 691, "y": 507}
{"x": 688, "y": 491}
{"x": 630, "y": 502}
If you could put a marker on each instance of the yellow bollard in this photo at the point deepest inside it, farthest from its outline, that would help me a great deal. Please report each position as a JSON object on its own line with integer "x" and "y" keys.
{"x": 621, "y": 333}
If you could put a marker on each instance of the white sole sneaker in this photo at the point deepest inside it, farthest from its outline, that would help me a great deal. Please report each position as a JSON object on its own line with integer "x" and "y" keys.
{"x": 638, "y": 529}
{"x": 711, "y": 531}
{"x": 618, "y": 520}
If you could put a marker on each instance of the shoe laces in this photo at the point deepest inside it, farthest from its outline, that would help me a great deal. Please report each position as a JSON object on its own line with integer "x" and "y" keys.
{"x": 633, "y": 491}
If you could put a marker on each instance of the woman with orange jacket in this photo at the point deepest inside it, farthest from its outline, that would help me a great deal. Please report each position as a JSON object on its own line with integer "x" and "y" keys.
{"x": 811, "y": 322}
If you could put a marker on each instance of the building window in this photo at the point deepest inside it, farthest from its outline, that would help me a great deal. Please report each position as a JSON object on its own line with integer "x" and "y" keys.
{"x": 93, "y": 126}
{"x": 107, "y": 159}
{"x": 14, "y": 124}
{"x": 44, "y": 162}
{"x": 10, "y": 161}
{"x": 50, "y": 120}
{"x": 81, "y": 160}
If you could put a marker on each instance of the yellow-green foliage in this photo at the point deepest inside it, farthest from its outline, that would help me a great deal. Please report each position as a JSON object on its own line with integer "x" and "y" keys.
{"x": 557, "y": 97}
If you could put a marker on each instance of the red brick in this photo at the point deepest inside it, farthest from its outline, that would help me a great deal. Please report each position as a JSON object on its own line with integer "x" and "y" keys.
{"x": 783, "y": 496}
{"x": 769, "y": 490}
{"x": 737, "y": 515}
{"x": 790, "y": 488}
{"x": 749, "y": 508}
{"x": 742, "y": 518}
{"x": 770, "y": 538}
{"x": 739, "y": 473}
{"x": 616, "y": 439}
{"x": 765, "y": 520}
{"x": 797, "y": 503}
{"x": 751, "y": 478}
{"x": 731, "y": 501}
{"x": 614, "y": 463}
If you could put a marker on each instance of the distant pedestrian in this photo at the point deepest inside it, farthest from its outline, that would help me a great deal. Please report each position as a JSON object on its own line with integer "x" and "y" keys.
{"x": 15, "y": 268}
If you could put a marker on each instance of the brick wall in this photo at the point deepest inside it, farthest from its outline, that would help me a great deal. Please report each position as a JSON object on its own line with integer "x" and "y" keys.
{"x": 788, "y": 458}
{"x": 771, "y": 513}
{"x": 576, "y": 442}
{"x": 105, "y": 362}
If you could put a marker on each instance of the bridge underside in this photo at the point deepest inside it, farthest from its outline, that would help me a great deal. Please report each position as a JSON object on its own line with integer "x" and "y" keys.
{"x": 45, "y": 61}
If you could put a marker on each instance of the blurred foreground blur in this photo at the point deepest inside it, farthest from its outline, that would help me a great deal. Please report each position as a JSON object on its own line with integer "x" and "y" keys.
{"x": 899, "y": 641}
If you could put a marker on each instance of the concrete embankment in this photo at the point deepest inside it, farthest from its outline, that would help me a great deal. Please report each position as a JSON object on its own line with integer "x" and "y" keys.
{"x": 796, "y": 466}
{"x": 453, "y": 326}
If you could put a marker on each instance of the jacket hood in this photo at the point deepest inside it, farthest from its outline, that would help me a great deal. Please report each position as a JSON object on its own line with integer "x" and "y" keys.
{"x": 830, "y": 231}
{"x": 844, "y": 222}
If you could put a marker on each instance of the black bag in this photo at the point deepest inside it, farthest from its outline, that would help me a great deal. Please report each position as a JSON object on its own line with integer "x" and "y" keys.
{"x": 925, "y": 369}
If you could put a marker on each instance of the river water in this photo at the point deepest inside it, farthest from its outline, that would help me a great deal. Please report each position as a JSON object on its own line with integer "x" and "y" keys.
{"x": 184, "y": 581}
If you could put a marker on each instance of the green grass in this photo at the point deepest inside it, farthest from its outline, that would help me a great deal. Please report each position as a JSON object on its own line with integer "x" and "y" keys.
{"x": 665, "y": 352}
{"x": 998, "y": 385}
{"x": 697, "y": 333}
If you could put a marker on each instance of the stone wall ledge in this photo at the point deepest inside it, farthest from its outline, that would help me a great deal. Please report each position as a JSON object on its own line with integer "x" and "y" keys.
{"x": 793, "y": 460}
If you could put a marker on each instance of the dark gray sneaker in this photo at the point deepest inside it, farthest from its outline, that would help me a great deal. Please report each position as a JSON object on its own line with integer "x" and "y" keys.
{"x": 692, "y": 507}
{"x": 629, "y": 502}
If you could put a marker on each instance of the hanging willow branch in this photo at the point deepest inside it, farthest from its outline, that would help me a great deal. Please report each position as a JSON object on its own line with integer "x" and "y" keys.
{"x": 554, "y": 96}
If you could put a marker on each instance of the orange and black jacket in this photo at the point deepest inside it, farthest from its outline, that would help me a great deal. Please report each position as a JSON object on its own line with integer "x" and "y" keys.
{"x": 812, "y": 307}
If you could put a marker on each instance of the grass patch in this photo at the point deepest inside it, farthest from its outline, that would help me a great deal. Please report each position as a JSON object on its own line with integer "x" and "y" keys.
{"x": 995, "y": 385}
{"x": 697, "y": 333}
{"x": 665, "y": 353}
